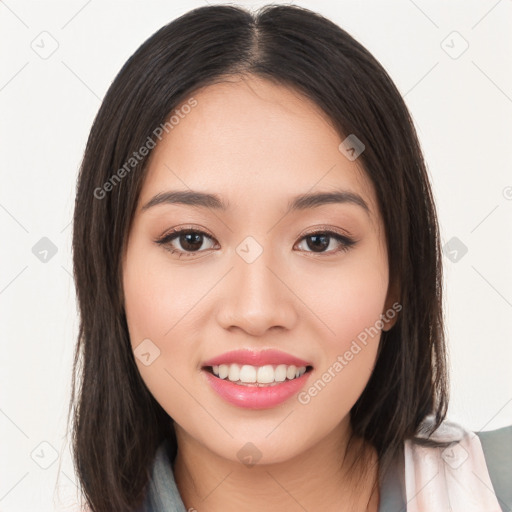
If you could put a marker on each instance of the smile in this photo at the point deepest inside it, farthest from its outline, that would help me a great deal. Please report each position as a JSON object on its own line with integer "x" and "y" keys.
{"x": 248, "y": 375}
{"x": 256, "y": 379}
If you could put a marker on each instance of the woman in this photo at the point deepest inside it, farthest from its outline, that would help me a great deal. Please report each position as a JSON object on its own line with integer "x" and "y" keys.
{"x": 258, "y": 270}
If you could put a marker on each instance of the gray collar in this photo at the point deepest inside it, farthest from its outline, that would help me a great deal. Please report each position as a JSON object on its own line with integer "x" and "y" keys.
{"x": 163, "y": 494}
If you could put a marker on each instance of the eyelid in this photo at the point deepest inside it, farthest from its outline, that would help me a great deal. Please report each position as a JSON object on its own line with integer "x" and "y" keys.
{"x": 187, "y": 228}
{"x": 325, "y": 228}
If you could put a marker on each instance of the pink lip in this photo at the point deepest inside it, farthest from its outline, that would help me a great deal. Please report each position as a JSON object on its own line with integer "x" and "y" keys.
{"x": 256, "y": 358}
{"x": 253, "y": 397}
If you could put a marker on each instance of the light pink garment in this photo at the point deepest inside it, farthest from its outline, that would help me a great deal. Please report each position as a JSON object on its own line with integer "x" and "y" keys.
{"x": 450, "y": 479}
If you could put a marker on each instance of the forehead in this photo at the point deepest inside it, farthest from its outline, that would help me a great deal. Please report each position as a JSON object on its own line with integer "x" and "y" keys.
{"x": 250, "y": 139}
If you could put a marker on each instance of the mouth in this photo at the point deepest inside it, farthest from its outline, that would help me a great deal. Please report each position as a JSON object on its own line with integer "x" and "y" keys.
{"x": 256, "y": 387}
{"x": 256, "y": 379}
{"x": 257, "y": 376}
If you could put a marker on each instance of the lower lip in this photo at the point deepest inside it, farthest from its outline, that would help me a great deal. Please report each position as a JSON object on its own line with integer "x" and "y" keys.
{"x": 255, "y": 397}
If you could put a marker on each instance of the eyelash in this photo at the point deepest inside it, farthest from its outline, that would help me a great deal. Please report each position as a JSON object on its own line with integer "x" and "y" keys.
{"x": 345, "y": 241}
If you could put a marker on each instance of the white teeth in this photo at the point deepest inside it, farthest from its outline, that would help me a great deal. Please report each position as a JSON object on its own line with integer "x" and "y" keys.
{"x": 290, "y": 371}
{"x": 267, "y": 374}
{"x": 234, "y": 372}
{"x": 247, "y": 374}
{"x": 223, "y": 371}
{"x": 280, "y": 373}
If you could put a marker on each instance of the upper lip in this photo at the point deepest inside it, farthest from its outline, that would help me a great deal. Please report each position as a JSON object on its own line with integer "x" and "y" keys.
{"x": 256, "y": 358}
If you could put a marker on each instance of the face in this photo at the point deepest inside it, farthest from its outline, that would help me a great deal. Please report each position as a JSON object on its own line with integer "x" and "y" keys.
{"x": 287, "y": 288}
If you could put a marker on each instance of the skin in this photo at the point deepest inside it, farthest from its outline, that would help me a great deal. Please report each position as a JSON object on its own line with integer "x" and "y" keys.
{"x": 256, "y": 144}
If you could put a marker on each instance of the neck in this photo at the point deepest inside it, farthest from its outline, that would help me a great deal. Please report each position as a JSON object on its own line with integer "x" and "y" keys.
{"x": 320, "y": 478}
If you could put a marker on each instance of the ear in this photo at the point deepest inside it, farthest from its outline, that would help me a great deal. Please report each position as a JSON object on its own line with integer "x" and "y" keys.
{"x": 392, "y": 306}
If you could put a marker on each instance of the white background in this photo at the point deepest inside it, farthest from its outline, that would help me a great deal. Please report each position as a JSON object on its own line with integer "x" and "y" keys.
{"x": 462, "y": 108}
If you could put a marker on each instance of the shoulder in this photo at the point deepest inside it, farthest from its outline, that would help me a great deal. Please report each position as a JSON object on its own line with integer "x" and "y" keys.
{"x": 162, "y": 493}
{"x": 476, "y": 465}
{"x": 497, "y": 448}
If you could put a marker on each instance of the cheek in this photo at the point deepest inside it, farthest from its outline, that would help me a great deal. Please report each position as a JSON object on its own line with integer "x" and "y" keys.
{"x": 157, "y": 300}
{"x": 157, "y": 312}
{"x": 162, "y": 305}
{"x": 356, "y": 305}
{"x": 349, "y": 298}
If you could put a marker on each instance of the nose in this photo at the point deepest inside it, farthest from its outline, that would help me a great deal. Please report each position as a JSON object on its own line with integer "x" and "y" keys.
{"x": 257, "y": 297}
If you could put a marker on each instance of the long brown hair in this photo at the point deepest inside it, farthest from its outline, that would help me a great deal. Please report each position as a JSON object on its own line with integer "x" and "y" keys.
{"x": 117, "y": 424}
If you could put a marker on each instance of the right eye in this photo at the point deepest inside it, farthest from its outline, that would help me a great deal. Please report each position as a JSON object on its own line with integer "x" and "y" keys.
{"x": 190, "y": 240}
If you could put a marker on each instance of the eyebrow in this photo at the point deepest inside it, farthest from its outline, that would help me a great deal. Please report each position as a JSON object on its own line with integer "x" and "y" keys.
{"x": 300, "y": 202}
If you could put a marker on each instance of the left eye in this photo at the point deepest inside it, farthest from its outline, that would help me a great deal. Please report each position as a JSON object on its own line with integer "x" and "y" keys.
{"x": 191, "y": 242}
{"x": 322, "y": 240}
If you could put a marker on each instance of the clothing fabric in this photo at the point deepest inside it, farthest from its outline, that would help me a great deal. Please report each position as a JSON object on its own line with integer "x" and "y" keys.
{"x": 472, "y": 474}
{"x": 454, "y": 477}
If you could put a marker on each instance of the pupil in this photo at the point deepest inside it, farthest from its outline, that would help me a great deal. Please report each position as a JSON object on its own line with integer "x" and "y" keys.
{"x": 191, "y": 244}
{"x": 324, "y": 241}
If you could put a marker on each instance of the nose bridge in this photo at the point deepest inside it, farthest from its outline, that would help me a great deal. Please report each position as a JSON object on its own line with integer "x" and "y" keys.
{"x": 258, "y": 286}
{"x": 257, "y": 298}
{"x": 252, "y": 268}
